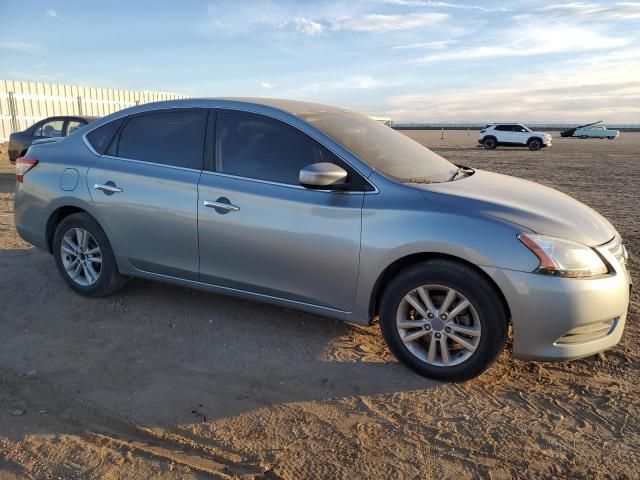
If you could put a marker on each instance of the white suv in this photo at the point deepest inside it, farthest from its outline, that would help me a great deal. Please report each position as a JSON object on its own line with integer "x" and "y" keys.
{"x": 512, "y": 134}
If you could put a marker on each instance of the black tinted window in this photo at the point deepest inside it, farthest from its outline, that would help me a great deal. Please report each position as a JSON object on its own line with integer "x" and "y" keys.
{"x": 171, "y": 138}
{"x": 257, "y": 147}
{"x": 505, "y": 128}
{"x": 100, "y": 138}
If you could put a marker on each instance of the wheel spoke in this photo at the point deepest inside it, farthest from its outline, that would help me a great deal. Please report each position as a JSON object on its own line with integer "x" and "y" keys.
{"x": 412, "y": 323}
{"x": 93, "y": 251}
{"x": 71, "y": 265}
{"x": 470, "y": 331}
{"x": 92, "y": 272}
{"x": 458, "y": 309}
{"x": 95, "y": 259}
{"x": 426, "y": 299}
{"x": 462, "y": 342}
{"x": 67, "y": 250}
{"x": 414, "y": 336}
{"x": 446, "y": 303}
{"x": 76, "y": 271}
{"x": 79, "y": 236}
{"x": 444, "y": 350}
{"x": 431, "y": 354}
{"x": 85, "y": 239}
{"x": 87, "y": 275}
{"x": 72, "y": 245}
{"x": 416, "y": 304}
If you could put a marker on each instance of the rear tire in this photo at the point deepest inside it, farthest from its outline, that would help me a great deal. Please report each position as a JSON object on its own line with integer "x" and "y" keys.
{"x": 484, "y": 320}
{"x": 84, "y": 257}
{"x": 583, "y": 137}
{"x": 611, "y": 138}
{"x": 490, "y": 143}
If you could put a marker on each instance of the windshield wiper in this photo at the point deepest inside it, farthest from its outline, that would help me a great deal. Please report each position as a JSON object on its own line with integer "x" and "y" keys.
{"x": 456, "y": 173}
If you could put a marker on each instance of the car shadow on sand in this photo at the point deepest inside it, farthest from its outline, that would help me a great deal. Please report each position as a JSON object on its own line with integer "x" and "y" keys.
{"x": 7, "y": 182}
{"x": 161, "y": 355}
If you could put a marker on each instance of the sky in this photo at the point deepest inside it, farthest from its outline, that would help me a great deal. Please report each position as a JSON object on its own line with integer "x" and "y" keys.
{"x": 411, "y": 60}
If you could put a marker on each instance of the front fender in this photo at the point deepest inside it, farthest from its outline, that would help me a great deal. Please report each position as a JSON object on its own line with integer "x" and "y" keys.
{"x": 392, "y": 229}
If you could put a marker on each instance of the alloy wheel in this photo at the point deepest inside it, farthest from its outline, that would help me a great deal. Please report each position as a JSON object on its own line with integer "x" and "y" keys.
{"x": 81, "y": 257}
{"x": 438, "y": 325}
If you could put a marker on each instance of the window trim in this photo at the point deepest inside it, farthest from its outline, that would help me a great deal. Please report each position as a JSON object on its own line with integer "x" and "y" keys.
{"x": 243, "y": 109}
{"x": 210, "y": 168}
{"x": 127, "y": 118}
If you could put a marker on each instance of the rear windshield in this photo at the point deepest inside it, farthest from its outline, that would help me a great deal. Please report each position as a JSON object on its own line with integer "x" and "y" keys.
{"x": 382, "y": 148}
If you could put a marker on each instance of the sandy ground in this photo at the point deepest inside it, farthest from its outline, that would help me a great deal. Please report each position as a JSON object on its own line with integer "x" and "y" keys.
{"x": 163, "y": 382}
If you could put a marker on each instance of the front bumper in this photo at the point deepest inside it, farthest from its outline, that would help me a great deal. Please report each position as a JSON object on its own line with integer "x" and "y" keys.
{"x": 564, "y": 318}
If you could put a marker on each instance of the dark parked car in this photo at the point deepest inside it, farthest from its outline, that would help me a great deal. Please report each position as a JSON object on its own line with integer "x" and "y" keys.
{"x": 50, "y": 127}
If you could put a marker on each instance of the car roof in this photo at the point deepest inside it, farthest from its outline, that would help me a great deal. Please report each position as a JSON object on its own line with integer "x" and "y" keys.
{"x": 291, "y": 106}
{"x": 88, "y": 118}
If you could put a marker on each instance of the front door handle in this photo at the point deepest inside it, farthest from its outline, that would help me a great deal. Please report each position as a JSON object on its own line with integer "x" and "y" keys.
{"x": 109, "y": 188}
{"x": 221, "y": 205}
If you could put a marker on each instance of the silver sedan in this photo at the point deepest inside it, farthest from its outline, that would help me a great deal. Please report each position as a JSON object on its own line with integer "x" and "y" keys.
{"x": 325, "y": 210}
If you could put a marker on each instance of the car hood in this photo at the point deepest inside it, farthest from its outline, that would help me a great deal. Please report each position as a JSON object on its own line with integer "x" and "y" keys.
{"x": 536, "y": 207}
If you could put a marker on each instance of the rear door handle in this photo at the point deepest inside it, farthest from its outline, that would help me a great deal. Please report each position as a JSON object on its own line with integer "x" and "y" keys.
{"x": 108, "y": 188}
{"x": 221, "y": 205}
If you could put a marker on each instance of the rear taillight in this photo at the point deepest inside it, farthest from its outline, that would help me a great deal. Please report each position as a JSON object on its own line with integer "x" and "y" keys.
{"x": 23, "y": 165}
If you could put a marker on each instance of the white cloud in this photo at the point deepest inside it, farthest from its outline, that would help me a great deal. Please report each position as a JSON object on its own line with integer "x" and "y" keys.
{"x": 587, "y": 11}
{"x": 52, "y": 13}
{"x": 528, "y": 40}
{"x": 19, "y": 46}
{"x": 308, "y": 27}
{"x": 364, "y": 82}
{"x": 426, "y": 3}
{"x": 435, "y": 45}
{"x": 232, "y": 18}
{"x": 387, "y": 23}
{"x": 267, "y": 85}
{"x": 581, "y": 89}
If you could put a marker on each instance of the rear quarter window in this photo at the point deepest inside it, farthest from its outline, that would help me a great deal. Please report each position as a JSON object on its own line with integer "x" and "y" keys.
{"x": 101, "y": 137}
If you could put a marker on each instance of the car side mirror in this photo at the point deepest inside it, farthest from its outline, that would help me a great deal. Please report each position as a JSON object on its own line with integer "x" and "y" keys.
{"x": 323, "y": 175}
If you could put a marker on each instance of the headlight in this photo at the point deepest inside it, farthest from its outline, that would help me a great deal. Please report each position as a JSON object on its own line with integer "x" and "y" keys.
{"x": 563, "y": 258}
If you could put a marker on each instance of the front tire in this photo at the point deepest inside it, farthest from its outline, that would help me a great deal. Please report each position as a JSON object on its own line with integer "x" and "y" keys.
{"x": 611, "y": 138}
{"x": 84, "y": 257}
{"x": 443, "y": 320}
{"x": 534, "y": 144}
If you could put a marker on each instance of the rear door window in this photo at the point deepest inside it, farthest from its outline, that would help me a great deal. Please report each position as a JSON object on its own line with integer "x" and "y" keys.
{"x": 174, "y": 138}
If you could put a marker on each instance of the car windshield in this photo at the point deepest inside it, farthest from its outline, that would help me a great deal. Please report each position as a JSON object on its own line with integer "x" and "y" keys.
{"x": 382, "y": 148}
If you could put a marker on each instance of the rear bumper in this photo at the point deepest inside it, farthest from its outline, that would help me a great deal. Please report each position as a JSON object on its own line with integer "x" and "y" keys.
{"x": 561, "y": 318}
